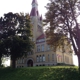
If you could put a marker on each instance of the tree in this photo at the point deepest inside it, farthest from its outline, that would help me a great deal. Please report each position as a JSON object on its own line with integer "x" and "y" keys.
{"x": 15, "y": 33}
{"x": 1, "y": 49}
{"x": 62, "y": 16}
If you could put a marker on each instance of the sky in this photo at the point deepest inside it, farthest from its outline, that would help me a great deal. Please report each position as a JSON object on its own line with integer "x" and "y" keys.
{"x": 17, "y": 6}
{"x": 21, "y": 6}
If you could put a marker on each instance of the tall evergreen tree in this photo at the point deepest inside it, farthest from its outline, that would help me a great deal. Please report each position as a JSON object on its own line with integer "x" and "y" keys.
{"x": 62, "y": 17}
{"x": 15, "y": 33}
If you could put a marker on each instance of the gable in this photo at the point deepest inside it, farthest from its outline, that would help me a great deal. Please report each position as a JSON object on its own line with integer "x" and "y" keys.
{"x": 40, "y": 39}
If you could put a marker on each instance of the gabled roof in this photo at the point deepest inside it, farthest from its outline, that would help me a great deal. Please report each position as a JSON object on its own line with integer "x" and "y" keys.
{"x": 40, "y": 39}
{"x": 42, "y": 36}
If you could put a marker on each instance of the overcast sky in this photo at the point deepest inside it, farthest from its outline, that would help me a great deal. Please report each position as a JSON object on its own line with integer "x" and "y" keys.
{"x": 21, "y": 6}
{"x": 17, "y": 6}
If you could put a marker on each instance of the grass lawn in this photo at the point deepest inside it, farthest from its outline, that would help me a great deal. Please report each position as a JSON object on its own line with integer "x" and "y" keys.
{"x": 40, "y": 73}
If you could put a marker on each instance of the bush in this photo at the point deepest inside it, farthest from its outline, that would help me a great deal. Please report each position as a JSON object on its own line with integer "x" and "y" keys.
{"x": 63, "y": 64}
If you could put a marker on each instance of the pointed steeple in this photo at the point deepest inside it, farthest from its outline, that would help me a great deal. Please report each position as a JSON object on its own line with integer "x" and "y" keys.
{"x": 34, "y": 11}
{"x": 34, "y": 1}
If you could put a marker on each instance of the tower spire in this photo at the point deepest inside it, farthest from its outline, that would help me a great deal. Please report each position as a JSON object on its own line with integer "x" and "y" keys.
{"x": 34, "y": 11}
{"x": 34, "y": 1}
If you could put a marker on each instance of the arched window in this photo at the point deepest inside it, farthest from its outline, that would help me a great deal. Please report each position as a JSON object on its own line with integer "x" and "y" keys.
{"x": 40, "y": 58}
{"x": 37, "y": 58}
{"x": 43, "y": 58}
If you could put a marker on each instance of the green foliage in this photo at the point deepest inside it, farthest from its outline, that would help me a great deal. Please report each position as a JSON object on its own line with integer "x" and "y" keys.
{"x": 40, "y": 73}
{"x": 62, "y": 18}
{"x": 15, "y": 35}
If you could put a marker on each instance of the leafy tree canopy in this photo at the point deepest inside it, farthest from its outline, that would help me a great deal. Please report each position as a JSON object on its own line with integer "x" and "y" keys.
{"x": 63, "y": 23}
{"x": 15, "y": 35}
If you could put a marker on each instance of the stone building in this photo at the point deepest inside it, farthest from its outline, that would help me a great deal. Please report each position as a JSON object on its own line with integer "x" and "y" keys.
{"x": 42, "y": 54}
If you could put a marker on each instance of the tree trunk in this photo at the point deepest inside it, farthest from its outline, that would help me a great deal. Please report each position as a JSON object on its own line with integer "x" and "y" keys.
{"x": 13, "y": 62}
{"x": 63, "y": 58}
{"x": 0, "y": 61}
{"x": 78, "y": 55}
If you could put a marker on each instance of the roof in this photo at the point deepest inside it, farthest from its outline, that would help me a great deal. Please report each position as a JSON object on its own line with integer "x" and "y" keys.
{"x": 41, "y": 37}
{"x": 34, "y": 1}
{"x": 33, "y": 12}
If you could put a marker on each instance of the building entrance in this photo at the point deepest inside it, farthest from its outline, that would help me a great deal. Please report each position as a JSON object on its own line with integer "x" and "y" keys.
{"x": 30, "y": 63}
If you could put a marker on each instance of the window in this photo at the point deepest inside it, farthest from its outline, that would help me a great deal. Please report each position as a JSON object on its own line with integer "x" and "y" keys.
{"x": 43, "y": 58}
{"x": 37, "y": 58}
{"x": 20, "y": 60}
{"x": 41, "y": 40}
{"x": 42, "y": 47}
{"x": 38, "y": 48}
{"x": 48, "y": 47}
{"x": 58, "y": 59}
{"x": 48, "y": 57}
{"x": 23, "y": 60}
{"x": 30, "y": 53}
{"x": 52, "y": 56}
{"x": 39, "y": 28}
{"x": 40, "y": 58}
{"x": 66, "y": 59}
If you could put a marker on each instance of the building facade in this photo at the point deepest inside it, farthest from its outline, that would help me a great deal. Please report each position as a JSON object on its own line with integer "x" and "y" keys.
{"x": 42, "y": 54}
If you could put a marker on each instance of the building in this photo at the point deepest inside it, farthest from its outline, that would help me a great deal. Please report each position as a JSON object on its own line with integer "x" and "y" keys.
{"x": 42, "y": 54}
